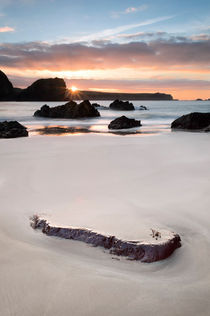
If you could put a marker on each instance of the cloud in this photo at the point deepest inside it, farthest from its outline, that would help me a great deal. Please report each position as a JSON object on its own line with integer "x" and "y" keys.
{"x": 142, "y": 35}
{"x": 116, "y": 14}
{"x": 153, "y": 55}
{"x": 136, "y": 9}
{"x": 201, "y": 37}
{"x": 111, "y": 32}
{"x": 5, "y": 29}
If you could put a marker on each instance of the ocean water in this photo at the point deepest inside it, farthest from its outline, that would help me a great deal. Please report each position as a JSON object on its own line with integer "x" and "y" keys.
{"x": 158, "y": 118}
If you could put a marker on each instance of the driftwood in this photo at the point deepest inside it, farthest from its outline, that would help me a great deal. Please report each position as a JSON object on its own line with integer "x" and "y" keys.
{"x": 134, "y": 250}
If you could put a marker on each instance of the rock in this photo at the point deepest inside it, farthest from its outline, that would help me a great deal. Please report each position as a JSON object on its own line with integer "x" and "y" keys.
{"x": 142, "y": 107}
{"x": 192, "y": 121}
{"x": 6, "y": 88}
{"x": 68, "y": 110}
{"x": 207, "y": 129}
{"x": 96, "y": 105}
{"x": 53, "y": 89}
{"x": 124, "y": 122}
{"x": 121, "y": 106}
{"x": 12, "y": 129}
{"x": 157, "y": 249}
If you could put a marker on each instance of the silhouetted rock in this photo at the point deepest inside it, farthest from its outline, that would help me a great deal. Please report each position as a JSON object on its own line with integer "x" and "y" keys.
{"x": 159, "y": 247}
{"x": 96, "y": 105}
{"x": 123, "y": 122}
{"x": 192, "y": 121}
{"x": 6, "y": 88}
{"x": 142, "y": 108}
{"x": 121, "y": 106}
{"x": 98, "y": 95}
{"x": 53, "y": 89}
{"x": 12, "y": 129}
{"x": 68, "y": 110}
{"x": 199, "y": 99}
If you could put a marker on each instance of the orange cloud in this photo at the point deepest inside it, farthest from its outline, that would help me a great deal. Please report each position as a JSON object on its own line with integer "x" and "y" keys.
{"x": 5, "y": 29}
{"x": 181, "y": 67}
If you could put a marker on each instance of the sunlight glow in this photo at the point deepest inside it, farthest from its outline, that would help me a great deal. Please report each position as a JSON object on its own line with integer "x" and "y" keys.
{"x": 74, "y": 89}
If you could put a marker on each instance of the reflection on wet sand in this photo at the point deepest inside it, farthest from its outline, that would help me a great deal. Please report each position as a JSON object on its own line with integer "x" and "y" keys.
{"x": 58, "y": 130}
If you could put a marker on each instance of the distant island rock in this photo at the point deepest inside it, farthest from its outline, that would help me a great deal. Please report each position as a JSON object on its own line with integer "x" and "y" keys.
{"x": 69, "y": 110}
{"x": 6, "y": 88}
{"x": 124, "y": 122}
{"x": 160, "y": 246}
{"x": 12, "y": 129}
{"x": 193, "y": 121}
{"x": 53, "y": 89}
{"x": 121, "y": 105}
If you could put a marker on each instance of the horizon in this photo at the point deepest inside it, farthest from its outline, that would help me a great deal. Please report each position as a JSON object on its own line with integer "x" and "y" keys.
{"x": 122, "y": 47}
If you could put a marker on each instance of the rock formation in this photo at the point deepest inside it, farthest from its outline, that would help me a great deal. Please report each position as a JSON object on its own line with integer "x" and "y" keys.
{"x": 192, "y": 121}
{"x": 12, "y": 129}
{"x": 123, "y": 122}
{"x": 6, "y": 88}
{"x": 69, "y": 110}
{"x": 121, "y": 106}
{"x": 96, "y": 105}
{"x": 159, "y": 248}
{"x": 53, "y": 89}
{"x": 142, "y": 108}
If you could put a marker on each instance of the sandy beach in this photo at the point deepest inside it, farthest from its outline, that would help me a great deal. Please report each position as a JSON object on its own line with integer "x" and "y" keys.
{"x": 113, "y": 184}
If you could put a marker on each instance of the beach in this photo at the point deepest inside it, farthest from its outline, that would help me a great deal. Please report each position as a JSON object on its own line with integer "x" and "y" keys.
{"x": 111, "y": 184}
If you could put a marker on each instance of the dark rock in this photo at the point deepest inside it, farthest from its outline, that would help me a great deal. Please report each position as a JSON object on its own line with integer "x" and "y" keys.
{"x": 123, "y": 122}
{"x": 6, "y": 88}
{"x": 12, "y": 129}
{"x": 142, "y": 108}
{"x": 199, "y": 99}
{"x": 96, "y": 105}
{"x": 68, "y": 110}
{"x": 98, "y": 95}
{"x": 134, "y": 250}
{"x": 122, "y": 106}
{"x": 192, "y": 121}
{"x": 53, "y": 89}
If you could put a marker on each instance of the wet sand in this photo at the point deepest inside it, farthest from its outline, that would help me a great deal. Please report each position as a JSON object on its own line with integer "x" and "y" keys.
{"x": 125, "y": 185}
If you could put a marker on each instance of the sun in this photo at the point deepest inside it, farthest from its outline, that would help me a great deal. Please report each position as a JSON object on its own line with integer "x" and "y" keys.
{"x": 74, "y": 89}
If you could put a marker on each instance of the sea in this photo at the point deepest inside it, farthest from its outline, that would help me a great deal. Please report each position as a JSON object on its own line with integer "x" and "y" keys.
{"x": 157, "y": 119}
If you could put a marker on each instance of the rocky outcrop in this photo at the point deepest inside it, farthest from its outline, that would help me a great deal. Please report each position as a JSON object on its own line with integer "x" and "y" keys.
{"x": 6, "y": 88}
{"x": 122, "y": 106}
{"x": 69, "y": 110}
{"x": 12, "y": 129}
{"x": 96, "y": 105}
{"x": 53, "y": 89}
{"x": 124, "y": 122}
{"x": 143, "y": 108}
{"x": 192, "y": 121}
{"x": 158, "y": 248}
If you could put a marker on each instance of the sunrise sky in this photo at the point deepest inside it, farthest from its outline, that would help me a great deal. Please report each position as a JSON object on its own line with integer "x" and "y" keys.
{"x": 112, "y": 45}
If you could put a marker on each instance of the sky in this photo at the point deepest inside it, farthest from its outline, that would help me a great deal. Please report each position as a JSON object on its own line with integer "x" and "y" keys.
{"x": 118, "y": 45}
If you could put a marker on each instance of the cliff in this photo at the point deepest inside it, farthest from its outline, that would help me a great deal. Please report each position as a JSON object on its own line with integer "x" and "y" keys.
{"x": 6, "y": 88}
{"x": 53, "y": 89}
